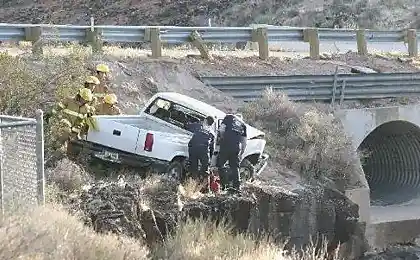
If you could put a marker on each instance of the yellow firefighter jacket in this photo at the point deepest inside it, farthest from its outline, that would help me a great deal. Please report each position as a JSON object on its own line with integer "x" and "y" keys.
{"x": 77, "y": 113}
{"x": 107, "y": 109}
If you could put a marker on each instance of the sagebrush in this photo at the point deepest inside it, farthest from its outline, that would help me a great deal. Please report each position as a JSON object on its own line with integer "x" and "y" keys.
{"x": 305, "y": 138}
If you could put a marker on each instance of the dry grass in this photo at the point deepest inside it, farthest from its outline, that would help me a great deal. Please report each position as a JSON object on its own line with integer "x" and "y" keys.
{"x": 68, "y": 176}
{"x": 51, "y": 233}
{"x": 129, "y": 52}
{"x": 203, "y": 240}
{"x": 191, "y": 189}
{"x": 304, "y": 138}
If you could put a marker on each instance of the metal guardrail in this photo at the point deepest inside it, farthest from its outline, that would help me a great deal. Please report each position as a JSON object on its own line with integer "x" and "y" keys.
{"x": 320, "y": 87}
{"x": 174, "y": 34}
{"x": 95, "y": 35}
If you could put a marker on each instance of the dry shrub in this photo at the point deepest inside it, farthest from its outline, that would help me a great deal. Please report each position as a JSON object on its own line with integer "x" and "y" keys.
{"x": 304, "y": 138}
{"x": 68, "y": 176}
{"x": 21, "y": 88}
{"x": 29, "y": 83}
{"x": 191, "y": 189}
{"x": 160, "y": 193}
{"x": 205, "y": 240}
{"x": 51, "y": 233}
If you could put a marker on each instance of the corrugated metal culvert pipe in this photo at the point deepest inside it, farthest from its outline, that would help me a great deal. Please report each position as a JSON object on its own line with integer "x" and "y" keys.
{"x": 392, "y": 163}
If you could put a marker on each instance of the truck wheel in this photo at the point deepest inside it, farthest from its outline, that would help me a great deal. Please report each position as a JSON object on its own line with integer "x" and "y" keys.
{"x": 247, "y": 170}
{"x": 176, "y": 170}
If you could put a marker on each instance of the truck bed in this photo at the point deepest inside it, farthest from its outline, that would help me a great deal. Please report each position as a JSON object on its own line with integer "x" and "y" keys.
{"x": 128, "y": 134}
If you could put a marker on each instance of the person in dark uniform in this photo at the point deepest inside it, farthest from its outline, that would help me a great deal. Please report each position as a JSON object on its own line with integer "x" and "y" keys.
{"x": 193, "y": 126}
{"x": 233, "y": 137}
{"x": 200, "y": 148}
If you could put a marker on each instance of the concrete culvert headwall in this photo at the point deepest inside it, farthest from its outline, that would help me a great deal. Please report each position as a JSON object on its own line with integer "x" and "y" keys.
{"x": 391, "y": 162}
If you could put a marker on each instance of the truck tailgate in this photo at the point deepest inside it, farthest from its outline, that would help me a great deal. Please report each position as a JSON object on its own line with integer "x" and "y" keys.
{"x": 114, "y": 134}
{"x": 165, "y": 145}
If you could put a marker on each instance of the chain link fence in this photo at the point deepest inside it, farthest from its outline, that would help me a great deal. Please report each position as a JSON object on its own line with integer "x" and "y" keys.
{"x": 22, "y": 180}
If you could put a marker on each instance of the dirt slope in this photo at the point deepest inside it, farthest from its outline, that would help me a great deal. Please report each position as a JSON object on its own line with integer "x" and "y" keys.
{"x": 136, "y": 80}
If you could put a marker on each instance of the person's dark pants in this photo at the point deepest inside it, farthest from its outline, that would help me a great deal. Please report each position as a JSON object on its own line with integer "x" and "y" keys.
{"x": 231, "y": 156}
{"x": 199, "y": 155}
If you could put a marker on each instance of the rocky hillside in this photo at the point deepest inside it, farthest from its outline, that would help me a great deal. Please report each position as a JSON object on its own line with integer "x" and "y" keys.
{"x": 328, "y": 13}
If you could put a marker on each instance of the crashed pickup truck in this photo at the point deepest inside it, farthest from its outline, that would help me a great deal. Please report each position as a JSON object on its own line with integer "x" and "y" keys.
{"x": 157, "y": 138}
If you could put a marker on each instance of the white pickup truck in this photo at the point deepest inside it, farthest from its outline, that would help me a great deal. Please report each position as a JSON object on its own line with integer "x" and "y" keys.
{"x": 158, "y": 137}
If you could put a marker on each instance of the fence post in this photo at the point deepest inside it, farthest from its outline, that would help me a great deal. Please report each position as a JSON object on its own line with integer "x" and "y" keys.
{"x": 412, "y": 42}
{"x": 1, "y": 175}
{"x": 261, "y": 36}
{"x": 40, "y": 156}
{"x": 361, "y": 42}
{"x": 310, "y": 35}
{"x": 156, "y": 42}
{"x": 34, "y": 35}
{"x": 94, "y": 38}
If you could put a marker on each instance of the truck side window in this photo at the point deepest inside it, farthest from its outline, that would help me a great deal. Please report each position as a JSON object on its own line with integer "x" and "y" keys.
{"x": 160, "y": 109}
{"x": 173, "y": 113}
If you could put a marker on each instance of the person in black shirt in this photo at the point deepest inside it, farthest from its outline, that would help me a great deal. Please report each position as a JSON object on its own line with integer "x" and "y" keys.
{"x": 233, "y": 137}
{"x": 200, "y": 148}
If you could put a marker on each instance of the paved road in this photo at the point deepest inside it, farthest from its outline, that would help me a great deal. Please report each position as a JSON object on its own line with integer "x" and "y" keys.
{"x": 340, "y": 47}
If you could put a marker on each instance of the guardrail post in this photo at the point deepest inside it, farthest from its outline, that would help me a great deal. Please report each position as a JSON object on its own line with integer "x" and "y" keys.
{"x": 361, "y": 42}
{"x": 198, "y": 42}
{"x": 34, "y": 35}
{"x": 156, "y": 43}
{"x": 261, "y": 36}
{"x": 94, "y": 38}
{"x": 310, "y": 35}
{"x": 253, "y": 45}
{"x": 412, "y": 43}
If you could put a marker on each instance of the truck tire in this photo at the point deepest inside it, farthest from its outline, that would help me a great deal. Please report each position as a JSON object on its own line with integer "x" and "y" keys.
{"x": 176, "y": 170}
{"x": 247, "y": 171}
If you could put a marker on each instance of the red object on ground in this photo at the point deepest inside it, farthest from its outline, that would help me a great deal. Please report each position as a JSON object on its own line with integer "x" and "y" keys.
{"x": 214, "y": 183}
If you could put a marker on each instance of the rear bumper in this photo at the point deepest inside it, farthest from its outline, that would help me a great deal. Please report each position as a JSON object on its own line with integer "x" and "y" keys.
{"x": 112, "y": 155}
{"x": 261, "y": 164}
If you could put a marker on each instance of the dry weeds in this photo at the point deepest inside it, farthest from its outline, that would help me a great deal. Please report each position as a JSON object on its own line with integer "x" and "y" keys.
{"x": 68, "y": 176}
{"x": 204, "y": 240}
{"x": 305, "y": 138}
{"x": 51, "y": 233}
